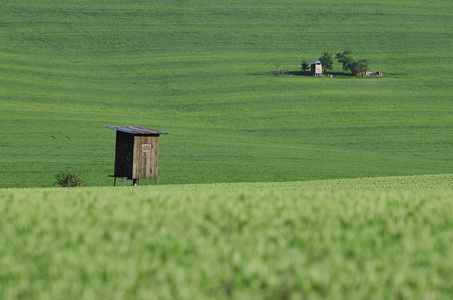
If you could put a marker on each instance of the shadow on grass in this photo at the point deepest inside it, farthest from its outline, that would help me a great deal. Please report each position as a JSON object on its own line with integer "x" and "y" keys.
{"x": 306, "y": 74}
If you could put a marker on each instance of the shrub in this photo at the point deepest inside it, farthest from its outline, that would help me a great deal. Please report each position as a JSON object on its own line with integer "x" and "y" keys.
{"x": 305, "y": 66}
{"x": 69, "y": 179}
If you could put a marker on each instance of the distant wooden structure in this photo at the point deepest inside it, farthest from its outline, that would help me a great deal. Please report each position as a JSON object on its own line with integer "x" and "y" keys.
{"x": 136, "y": 153}
{"x": 373, "y": 73}
{"x": 282, "y": 72}
{"x": 316, "y": 67}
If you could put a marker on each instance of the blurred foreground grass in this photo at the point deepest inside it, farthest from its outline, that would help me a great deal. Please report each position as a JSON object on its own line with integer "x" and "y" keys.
{"x": 343, "y": 239}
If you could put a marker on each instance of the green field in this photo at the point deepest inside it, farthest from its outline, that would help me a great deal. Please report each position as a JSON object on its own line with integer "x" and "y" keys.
{"x": 204, "y": 72}
{"x": 271, "y": 187}
{"x": 384, "y": 238}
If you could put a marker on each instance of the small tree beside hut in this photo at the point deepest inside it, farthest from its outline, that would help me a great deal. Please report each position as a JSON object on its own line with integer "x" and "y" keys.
{"x": 326, "y": 61}
{"x": 304, "y": 66}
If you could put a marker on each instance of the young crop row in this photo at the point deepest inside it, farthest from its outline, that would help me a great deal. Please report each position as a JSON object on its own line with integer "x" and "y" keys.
{"x": 148, "y": 243}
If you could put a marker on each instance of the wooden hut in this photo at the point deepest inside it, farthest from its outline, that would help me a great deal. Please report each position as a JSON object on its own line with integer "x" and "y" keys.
{"x": 316, "y": 67}
{"x": 136, "y": 153}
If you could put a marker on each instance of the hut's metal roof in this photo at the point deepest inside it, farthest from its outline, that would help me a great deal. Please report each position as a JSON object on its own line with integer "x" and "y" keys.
{"x": 316, "y": 61}
{"x": 136, "y": 130}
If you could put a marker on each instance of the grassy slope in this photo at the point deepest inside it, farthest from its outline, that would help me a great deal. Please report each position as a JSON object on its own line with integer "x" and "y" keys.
{"x": 381, "y": 238}
{"x": 203, "y": 72}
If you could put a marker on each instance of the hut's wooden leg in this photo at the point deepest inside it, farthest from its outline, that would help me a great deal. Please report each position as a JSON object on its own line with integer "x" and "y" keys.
{"x": 156, "y": 181}
{"x": 114, "y": 182}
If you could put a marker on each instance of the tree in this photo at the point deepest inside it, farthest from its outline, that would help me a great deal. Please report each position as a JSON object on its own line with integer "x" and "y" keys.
{"x": 349, "y": 64}
{"x": 346, "y": 59}
{"x": 326, "y": 61}
{"x": 305, "y": 66}
{"x": 359, "y": 67}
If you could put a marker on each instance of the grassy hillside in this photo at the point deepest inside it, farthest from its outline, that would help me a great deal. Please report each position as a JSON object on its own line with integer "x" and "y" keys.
{"x": 203, "y": 71}
{"x": 383, "y": 238}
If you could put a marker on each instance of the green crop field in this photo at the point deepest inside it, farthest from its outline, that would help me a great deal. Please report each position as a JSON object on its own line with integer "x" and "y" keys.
{"x": 375, "y": 238}
{"x": 204, "y": 71}
{"x": 271, "y": 187}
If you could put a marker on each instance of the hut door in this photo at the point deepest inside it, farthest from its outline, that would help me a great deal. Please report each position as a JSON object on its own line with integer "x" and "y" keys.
{"x": 146, "y": 151}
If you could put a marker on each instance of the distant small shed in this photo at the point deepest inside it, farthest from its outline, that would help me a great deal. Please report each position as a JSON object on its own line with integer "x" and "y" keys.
{"x": 136, "y": 153}
{"x": 316, "y": 67}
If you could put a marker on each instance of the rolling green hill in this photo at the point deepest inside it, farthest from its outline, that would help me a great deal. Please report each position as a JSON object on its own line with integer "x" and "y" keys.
{"x": 204, "y": 71}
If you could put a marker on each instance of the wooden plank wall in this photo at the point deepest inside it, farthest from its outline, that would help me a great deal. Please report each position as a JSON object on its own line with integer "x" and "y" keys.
{"x": 146, "y": 151}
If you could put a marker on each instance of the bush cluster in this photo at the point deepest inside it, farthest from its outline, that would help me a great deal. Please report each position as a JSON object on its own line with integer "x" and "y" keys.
{"x": 357, "y": 68}
{"x": 69, "y": 179}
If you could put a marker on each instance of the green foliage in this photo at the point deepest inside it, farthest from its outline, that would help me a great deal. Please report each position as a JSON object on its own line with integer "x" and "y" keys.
{"x": 357, "y": 68}
{"x": 246, "y": 241}
{"x": 326, "y": 61}
{"x": 346, "y": 59}
{"x": 360, "y": 67}
{"x": 69, "y": 179}
{"x": 202, "y": 70}
{"x": 304, "y": 66}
